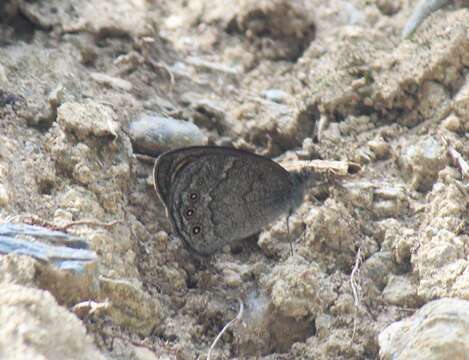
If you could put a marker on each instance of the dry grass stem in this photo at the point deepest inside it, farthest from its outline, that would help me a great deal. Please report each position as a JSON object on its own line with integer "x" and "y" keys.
{"x": 227, "y": 326}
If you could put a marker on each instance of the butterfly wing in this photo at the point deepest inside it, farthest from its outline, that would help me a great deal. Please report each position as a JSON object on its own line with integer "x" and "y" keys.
{"x": 215, "y": 196}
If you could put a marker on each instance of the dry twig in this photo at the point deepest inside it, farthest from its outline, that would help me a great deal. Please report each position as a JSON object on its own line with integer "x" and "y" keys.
{"x": 355, "y": 289}
{"x": 340, "y": 168}
{"x": 89, "y": 307}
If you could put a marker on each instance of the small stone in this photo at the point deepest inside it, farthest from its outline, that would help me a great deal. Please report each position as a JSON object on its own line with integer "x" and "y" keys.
{"x": 323, "y": 324}
{"x": 297, "y": 288}
{"x": 401, "y": 291}
{"x": 83, "y": 174}
{"x": 153, "y": 134}
{"x": 232, "y": 278}
{"x": 87, "y": 119}
{"x": 131, "y": 306}
{"x": 452, "y": 123}
{"x": 275, "y": 95}
{"x": 423, "y": 161}
{"x": 380, "y": 148}
{"x": 388, "y": 7}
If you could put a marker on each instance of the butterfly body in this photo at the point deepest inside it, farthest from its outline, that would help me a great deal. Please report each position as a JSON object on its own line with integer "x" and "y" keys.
{"x": 215, "y": 196}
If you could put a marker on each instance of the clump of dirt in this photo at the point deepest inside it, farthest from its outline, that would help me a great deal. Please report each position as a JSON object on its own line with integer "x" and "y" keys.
{"x": 302, "y": 79}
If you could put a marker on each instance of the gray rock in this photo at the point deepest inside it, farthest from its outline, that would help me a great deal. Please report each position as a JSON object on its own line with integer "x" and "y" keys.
{"x": 153, "y": 134}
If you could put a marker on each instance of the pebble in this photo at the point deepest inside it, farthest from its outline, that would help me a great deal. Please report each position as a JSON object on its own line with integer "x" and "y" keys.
{"x": 154, "y": 134}
{"x": 452, "y": 123}
{"x": 275, "y": 95}
{"x": 380, "y": 148}
{"x": 388, "y": 7}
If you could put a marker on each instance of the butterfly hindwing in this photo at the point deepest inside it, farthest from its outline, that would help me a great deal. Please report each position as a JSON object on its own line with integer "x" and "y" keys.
{"x": 215, "y": 196}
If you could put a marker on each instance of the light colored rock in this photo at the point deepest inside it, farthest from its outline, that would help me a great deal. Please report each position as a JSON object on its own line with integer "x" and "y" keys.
{"x": 79, "y": 200}
{"x": 87, "y": 119}
{"x": 131, "y": 306}
{"x": 440, "y": 258}
{"x": 83, "y": 174}
{"x": 439, "y": 330}
{"x": 153, "y": 134}
{"x": 263, "y": 327}
{"x": 380, "y": 148}
{"x": 34, "y": 326}
{"x": 435, "y": 100}
{"x": 275, "y": 95}
{"x": 399, "y": 240}
{"x": 452, "y": 123}
{"x": 17, "y": 269}
{"x": 401, "y": 291}
{"x": 298, "y": 289}
{"x": 423, "y": 161}
{"x": 115, "y": 16}
{"x": 330, "y": 229}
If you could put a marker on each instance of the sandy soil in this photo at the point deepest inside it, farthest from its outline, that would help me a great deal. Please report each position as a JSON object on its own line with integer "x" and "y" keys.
{"x": 291, "y": 80}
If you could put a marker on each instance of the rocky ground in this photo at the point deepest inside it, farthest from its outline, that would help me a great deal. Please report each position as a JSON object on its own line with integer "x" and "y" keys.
{"x": 380, "y": 266}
